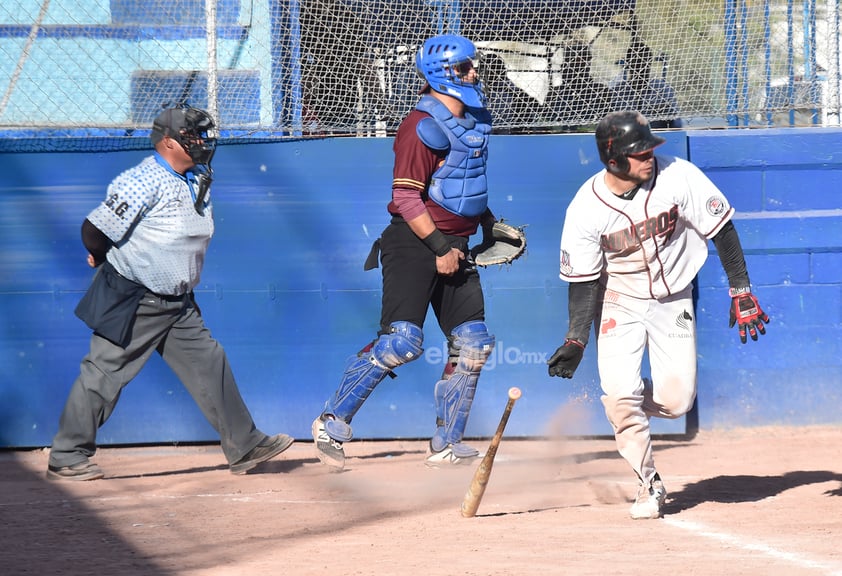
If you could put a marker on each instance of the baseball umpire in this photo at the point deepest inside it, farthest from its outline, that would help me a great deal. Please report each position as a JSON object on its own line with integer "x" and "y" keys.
{"x": 148, "y": 239}
{"x": 635, "y": 235}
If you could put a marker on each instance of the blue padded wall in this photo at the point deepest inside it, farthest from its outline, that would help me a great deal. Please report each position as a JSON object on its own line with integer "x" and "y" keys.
{"x": 784, "y": 184}
{"x": 284, "y": 290}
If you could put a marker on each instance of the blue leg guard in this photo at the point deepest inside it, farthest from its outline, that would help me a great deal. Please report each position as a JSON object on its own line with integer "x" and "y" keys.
{"x": 455, "y": 394}
{"x": 365, "y": 371}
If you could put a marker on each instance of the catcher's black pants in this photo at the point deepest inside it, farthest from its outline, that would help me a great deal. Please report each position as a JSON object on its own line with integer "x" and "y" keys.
{"x": 411, "y": 283}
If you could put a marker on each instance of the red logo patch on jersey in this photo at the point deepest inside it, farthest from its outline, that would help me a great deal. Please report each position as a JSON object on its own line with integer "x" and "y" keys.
{"x": 607, "y": 324}
{"x": 715, "y": 206}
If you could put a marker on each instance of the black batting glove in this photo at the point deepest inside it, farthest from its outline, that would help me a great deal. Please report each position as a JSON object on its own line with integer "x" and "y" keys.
{"x": 746, "y": 314}
{"x": 566, "y": 358}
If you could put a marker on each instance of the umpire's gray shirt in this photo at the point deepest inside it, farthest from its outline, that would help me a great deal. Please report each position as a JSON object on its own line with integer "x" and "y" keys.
{"x": 159, "y": 238}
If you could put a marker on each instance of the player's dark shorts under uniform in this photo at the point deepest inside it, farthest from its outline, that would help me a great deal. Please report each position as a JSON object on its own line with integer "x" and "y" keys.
{"x": 411, "y": 282}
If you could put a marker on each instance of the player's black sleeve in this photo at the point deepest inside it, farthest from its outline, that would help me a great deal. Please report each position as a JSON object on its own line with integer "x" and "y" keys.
{"x": 730, "y": 251}
{"x": 582, "y": 299}
{"x": 487, "y": 218}
{"x": 96, "y": 242}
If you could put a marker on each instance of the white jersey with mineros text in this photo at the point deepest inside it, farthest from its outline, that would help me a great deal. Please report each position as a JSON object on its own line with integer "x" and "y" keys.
{"x": 651, "y": 246}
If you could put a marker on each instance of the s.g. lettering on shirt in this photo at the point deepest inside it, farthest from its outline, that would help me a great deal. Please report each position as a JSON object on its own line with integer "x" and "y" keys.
{"x": 118, "y": 207}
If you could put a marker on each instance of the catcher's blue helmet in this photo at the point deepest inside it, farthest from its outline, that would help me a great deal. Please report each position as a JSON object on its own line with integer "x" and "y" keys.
{"x": 438, "y": 61}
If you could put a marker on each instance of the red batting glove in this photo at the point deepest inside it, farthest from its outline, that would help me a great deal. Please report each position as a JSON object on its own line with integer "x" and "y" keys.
{"x": 746, "y": 313}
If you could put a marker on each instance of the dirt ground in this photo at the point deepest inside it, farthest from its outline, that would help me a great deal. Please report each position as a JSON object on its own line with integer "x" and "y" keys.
{"x": 756, "y": 501}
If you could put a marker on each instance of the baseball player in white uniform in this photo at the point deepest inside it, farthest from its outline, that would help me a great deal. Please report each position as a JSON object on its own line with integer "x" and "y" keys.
{"x": 634, "y": 237}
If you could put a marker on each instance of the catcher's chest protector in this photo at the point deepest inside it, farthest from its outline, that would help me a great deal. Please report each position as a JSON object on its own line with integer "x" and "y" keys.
{"x": 460, "y": 184}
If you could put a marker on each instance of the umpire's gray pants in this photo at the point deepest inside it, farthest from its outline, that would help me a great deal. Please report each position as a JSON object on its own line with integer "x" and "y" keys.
{"x": 176, "y": 330}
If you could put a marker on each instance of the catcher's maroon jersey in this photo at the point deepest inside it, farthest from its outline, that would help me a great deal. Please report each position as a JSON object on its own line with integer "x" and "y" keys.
{"x": 415, "y": 165}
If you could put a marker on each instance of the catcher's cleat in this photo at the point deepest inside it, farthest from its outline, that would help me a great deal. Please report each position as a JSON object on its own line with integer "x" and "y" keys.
{"x": 330, "y": 451}
{"x": 650, "y": 501}
{"x": 452, "y": 455}
{"x": 83, "y": 471}
{"x": 266, "y": 450}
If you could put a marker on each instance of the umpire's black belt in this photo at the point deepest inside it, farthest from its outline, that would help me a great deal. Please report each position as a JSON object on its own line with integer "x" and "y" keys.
{"x": 169, "y": 298}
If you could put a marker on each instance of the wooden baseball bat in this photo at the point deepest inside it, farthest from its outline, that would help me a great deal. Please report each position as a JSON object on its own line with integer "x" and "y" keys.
{"x": 483, "y": 473}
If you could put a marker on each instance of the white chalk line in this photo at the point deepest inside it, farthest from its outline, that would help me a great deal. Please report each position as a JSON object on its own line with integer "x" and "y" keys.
{"x": 831, "y": 569}
{"x": 233, "y": 497}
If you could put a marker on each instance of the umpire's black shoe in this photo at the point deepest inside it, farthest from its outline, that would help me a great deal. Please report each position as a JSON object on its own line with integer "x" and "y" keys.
{"x": 266, "y": 450}
{"x": 83, "y": 471}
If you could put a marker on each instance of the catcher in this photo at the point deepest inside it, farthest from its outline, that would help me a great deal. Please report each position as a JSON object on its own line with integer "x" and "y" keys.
{"x": 439, "y": 199}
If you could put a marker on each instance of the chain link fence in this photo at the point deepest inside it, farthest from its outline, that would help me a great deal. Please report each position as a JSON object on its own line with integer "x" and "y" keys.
{"x": 94, "y": 73}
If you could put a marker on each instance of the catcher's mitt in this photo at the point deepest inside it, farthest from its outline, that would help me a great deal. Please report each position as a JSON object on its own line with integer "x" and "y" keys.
{"x": 506, "y": 244}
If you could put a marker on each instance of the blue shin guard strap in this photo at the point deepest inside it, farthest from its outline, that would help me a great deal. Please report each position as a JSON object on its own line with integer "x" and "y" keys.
{"x": 338, "y": 430}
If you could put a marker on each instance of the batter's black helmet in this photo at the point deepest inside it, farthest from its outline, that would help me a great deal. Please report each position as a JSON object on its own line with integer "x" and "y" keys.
{"x": 619, "y": 134}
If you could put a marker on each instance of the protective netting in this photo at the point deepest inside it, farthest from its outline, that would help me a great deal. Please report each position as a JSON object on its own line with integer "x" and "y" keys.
{"x": 91, "y": 74}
